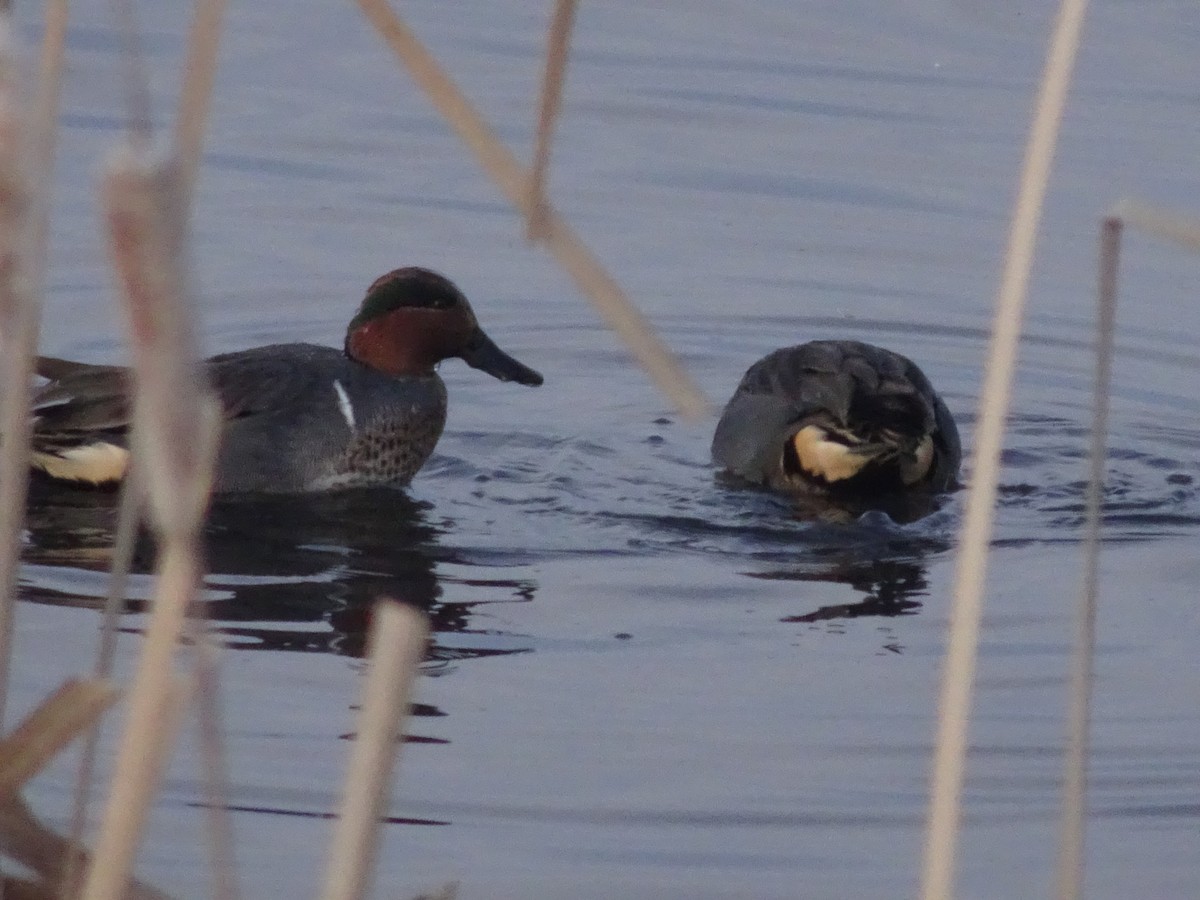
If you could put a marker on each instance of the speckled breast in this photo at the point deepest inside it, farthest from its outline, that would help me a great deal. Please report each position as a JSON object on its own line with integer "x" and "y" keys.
{"x": 390, "y": 436}
{"x": 388, "y": 452}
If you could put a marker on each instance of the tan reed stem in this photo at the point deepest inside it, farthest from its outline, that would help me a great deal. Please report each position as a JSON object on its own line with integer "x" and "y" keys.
{"x": 190, "y": 128}
{"x": 174, "y": 412}
{"x": 1074, "y": 814}
{"x": 174, "y": 440}
{"x": 22, "y": 300}
{"x": 18, "y": 338}
{"x": 60, "y": 718}
{"x": 124, "y": 543}
{"x": 397, "y": 644}
{"x": 137, "y": 80}
{"x": 213, "y": 758}
{"x": 558, "y": 43}
{"x": 136, "y": 781}
{"x": 513, "y": 180}
{"x": 1159, "y": 222}
{"x": 12, "y": 888}
{"x": 191, "y": 121}
{"x": 44, "y": 129}
{"x": 43, "y": 851}
{"x": 958, "y": 674}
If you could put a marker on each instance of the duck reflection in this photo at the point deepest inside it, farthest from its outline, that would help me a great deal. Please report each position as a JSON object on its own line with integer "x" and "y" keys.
{"x": 903, "y": 508}
{"x": 287, "y": 573}
{"x": 878, "y": 546}
{"x": 890, "y": 587}
{"x": 874, "y": 557}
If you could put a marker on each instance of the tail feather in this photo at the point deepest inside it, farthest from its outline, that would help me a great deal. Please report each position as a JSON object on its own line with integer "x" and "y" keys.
{"x": 94, "y": 463}
{"x": 80, "y": 416}
{"x": 836, "y": 455}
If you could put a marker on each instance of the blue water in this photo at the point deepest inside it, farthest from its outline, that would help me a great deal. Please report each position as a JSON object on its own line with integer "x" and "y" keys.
{"x": 644, "y": 682}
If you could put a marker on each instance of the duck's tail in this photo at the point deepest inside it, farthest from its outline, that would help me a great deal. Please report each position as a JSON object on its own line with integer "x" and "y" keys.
{"x": 835, "y": 455}
{"x": 95, "y": 462}
{"x": 79, "y": 421}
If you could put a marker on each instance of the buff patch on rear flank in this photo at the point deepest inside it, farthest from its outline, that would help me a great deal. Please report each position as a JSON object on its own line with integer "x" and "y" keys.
{"x": 98, "y": 463}
{"x": 826, "y": 459}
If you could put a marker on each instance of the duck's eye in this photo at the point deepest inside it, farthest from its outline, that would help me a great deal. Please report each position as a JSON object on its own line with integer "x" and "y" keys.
{"x": 440, "y": 300}
{"x": 406, "y": 296}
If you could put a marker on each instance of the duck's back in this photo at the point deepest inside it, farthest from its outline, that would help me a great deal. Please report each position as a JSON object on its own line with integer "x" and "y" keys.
{"x": 858, "y": 387}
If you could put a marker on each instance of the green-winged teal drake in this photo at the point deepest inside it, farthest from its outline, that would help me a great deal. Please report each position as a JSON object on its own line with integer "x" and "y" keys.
{"x": 297, "y": 417}
{"x": 838, "y": 419}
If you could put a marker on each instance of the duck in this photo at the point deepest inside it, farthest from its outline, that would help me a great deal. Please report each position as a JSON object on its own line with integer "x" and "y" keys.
{"x": 297, "y": 417}
{"x": 838, "y": 420}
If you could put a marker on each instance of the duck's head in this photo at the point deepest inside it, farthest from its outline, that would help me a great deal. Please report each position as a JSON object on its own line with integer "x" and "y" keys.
{"x": 413, "y": 318}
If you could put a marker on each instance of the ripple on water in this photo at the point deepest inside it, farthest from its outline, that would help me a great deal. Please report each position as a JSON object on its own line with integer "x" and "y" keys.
{"x": 637, "y": 483}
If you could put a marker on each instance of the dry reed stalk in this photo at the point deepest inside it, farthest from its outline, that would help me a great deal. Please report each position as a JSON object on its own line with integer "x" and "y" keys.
{"x": 191, "y": 121}
{"x": 223, "y": 865}
{"x": 43, "y": 851}
{"x": 23, "y": 889}
{"x": 58, "y": 720}
{"x": 1159, "y": 222}
{"x": 134, "y": 785}
{"x": 558, "y": 43}
{"x": 190, "y": 129}
{"x": 20, "y": 296}
{"x": 1073, "y": 827}
{"x": 126, "y": 538}
{"x": 18, "y": 338}
{"x": 44, "y": 128}
{"x": 397, "y": 644}
{"x": 175, "y": 414}
{"x": 513, "y": 180}
{"x": 137, "y": 80}
{"x": 174, "y": 440}
{"x": 958, "y": 675}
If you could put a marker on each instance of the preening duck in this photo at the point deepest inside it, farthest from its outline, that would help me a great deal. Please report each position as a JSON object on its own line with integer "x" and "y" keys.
{"x": 838, "y": 419}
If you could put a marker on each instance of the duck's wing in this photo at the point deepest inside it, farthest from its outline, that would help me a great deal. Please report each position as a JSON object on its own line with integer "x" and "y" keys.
{"x": 812, "y": 377}
{"x": 81, "y": 416}
{"x": 79, "y": 398}
{"x": 266, "y": 379}
{"x": 775, "y": 396}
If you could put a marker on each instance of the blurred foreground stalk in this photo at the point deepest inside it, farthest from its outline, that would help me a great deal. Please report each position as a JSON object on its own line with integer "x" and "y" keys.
{"x": 174, "y": 438}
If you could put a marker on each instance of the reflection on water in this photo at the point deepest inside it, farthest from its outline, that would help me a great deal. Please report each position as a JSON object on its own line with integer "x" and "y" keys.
{"x": 889, "y": 588}
{"x": 902, "y": 507}
{"x": 320, "y": 815}
{"x": 291, "y": 573}
{"x": 881, "y": 558}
